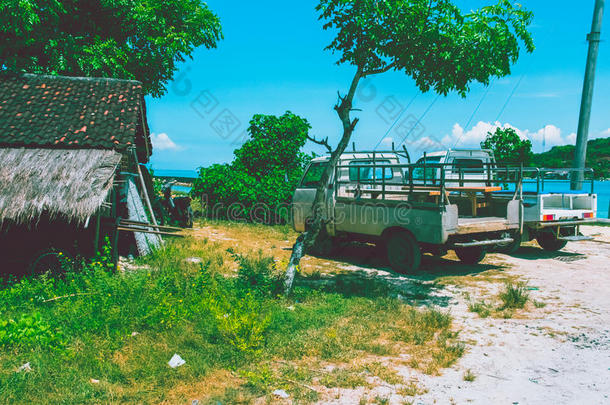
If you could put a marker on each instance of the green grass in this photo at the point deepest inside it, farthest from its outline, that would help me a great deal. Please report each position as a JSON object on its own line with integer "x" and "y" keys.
{"x": 514, "y": 296}
{"x": 481, "y": 308}
{"x": 539, "y": 304}
{"x": 469, "y": 376}
{"x": 240, "y": 339}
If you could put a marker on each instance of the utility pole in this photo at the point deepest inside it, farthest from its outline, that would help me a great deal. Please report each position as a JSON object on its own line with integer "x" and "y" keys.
{"x": 580, "y": 156}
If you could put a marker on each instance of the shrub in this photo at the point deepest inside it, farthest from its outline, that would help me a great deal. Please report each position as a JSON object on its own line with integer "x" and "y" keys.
{"x": 258, "y": 184}
{"x": 259, "y": 274}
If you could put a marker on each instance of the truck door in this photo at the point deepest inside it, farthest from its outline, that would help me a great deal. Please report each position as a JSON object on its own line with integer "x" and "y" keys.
{"x": 305, "y": 194}
{"x": 356, "y": 208}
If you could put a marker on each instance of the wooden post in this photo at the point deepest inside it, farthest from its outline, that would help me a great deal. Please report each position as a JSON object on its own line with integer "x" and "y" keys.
{"x": 144, "y": 190}
{"x": 96, "y": 239}
{"x": 115, "y": 237}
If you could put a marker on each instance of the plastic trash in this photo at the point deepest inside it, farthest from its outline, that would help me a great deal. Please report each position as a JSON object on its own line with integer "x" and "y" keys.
{"x": 281, "y": 393}
{"x": 176, "y": 361}
{"x": 25, "y": 367}
{"x": 94, "y": 381}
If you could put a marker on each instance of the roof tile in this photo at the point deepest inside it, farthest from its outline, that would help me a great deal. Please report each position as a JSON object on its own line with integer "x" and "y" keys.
{"x": 41, "y": 110}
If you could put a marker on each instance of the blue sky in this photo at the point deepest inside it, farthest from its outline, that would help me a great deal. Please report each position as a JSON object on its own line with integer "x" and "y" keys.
{"x": 273, "y": 59}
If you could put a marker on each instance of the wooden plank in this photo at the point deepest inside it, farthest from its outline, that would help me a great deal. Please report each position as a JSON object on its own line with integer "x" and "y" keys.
{"x": 139, "y": 230}
{"x": 485, "y": 189}
{"x": 160, "y": 227}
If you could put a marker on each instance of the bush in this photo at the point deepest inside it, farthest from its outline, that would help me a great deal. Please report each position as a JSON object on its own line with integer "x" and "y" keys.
{"x": 259, "y": 273}
{"x": 258, "y": 185}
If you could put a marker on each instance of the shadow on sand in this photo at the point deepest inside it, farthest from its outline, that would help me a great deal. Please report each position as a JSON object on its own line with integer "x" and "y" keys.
{"x": 367, "y": 274}
{"x": 537, "y": 253}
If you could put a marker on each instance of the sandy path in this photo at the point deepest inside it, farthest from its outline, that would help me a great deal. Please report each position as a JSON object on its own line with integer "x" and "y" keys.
{"x": 559, "y": 354}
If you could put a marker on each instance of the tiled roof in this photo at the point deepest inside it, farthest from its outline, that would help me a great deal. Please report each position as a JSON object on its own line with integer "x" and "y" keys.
{"x": 73, "y": 112}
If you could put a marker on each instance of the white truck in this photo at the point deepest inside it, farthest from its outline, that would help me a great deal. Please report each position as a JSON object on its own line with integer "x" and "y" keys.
{"x": 552, "y": 216}
{"x": 452, "y": 200}
{"x": 377, "y": 197}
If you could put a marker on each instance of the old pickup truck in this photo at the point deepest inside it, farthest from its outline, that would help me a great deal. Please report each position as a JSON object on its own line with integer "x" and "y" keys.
{"x": 409, "y": 208}
{"x": 551, "y": 214}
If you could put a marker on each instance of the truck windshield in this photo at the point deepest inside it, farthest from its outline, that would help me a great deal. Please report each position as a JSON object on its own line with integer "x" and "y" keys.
{"x": 418, "y": 172}
{"x": 314, "y": 175}
{"x": 366, "y": 173}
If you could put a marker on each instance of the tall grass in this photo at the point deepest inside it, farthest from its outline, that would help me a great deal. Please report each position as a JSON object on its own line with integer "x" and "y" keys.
{"x": 514, "y": 296}
{"x": 121, "y": 328}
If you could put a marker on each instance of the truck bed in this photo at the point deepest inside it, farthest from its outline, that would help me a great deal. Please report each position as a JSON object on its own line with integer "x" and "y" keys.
{"x": 482, "y": 224}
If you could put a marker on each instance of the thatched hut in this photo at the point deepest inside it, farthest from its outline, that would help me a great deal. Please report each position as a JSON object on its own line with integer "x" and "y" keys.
{"x": 69, "y": 148}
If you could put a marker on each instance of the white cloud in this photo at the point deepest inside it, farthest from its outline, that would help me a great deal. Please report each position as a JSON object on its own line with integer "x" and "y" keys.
{"x": 550, "y": 134}
{"x": 163, "y": 142}
{"x": 476, "y": 135}
{"x": 606, "y": 132}
{"x": 571, "y": 139}
{"x": 386, "y": 143}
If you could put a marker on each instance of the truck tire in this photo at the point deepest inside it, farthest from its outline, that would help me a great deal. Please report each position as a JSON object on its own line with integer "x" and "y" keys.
{"x": 471, "y": 255}
{"x": 403, "y": 252}
{"x": 512, "y": 247}
{"x": 48, "y": 260}
{"x": 547, "y": 240}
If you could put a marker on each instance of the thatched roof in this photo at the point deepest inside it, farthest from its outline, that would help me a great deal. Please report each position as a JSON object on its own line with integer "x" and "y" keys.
{"x": 60, "y": 183}
{"x": 73, "y": 112}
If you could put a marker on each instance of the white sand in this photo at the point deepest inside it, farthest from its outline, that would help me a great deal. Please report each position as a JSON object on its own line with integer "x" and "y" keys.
{"x": 560, "y": 354}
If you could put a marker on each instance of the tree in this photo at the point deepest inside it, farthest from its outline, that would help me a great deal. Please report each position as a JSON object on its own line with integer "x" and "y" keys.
{"x": 126, "y": 39}
{"x": 258, "y": 184}
{"x": 508, "y": 147}
{"x": 432, "y": 41}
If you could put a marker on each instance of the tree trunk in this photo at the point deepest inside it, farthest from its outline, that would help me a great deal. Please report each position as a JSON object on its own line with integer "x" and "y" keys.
{"x": 307, "y": 239}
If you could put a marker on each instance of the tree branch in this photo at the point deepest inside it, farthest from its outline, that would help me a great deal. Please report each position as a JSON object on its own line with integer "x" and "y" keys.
{"x": 322, "y": 142}
{"x": 379, "y": 71}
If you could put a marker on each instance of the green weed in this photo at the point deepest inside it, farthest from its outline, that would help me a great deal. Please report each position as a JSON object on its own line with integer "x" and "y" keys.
{"x": 480, "y": 308}
{"x": 514, "y": 296}
{"x": 469, "y": 376}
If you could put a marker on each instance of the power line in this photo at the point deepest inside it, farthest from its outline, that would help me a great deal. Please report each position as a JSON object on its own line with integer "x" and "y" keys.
{"x": 509, "y": 98}
{"x": 472, "y": 116}
{"x": 396, "y": 121}
{"x": 419, "y": 120}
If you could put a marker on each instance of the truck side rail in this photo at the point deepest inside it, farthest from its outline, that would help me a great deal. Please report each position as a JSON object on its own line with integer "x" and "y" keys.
{"x": 539, "y": 176}
{"x": 431, "y": 177}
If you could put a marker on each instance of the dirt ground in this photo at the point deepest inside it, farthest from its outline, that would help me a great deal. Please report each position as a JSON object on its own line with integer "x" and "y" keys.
{"x": 556, "y": 352}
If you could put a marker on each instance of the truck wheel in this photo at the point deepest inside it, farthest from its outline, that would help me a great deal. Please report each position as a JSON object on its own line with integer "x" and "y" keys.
{"x": 403, "y": 253}
{"x": 48, "y": 260}
{"x": 512, "y": 247}
{"x": 471, "y": 255}
{"x": 547, "y": 240}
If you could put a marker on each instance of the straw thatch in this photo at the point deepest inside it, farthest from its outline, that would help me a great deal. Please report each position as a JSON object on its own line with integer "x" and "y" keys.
{"x": 58, "y": 183}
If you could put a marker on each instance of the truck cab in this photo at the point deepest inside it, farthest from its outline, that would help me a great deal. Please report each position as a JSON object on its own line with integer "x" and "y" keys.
{"x": 470, "y": 163}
